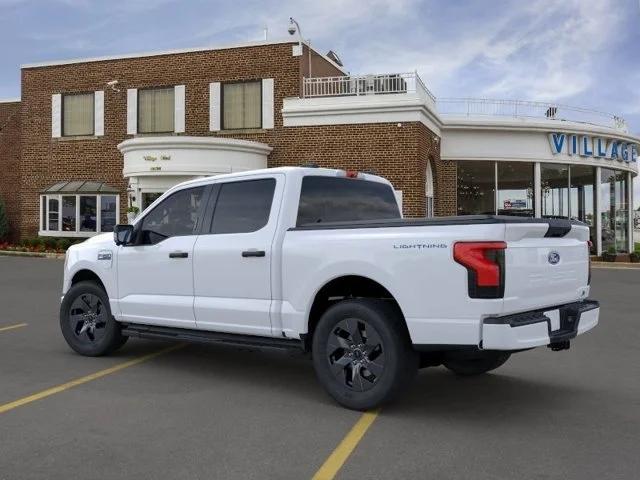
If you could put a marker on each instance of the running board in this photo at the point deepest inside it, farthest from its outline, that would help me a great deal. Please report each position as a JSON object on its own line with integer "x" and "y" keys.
{"x": 204, "y": 336}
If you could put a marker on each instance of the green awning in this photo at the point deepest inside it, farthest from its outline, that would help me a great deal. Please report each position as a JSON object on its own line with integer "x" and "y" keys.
{"x": 80, "y": 186}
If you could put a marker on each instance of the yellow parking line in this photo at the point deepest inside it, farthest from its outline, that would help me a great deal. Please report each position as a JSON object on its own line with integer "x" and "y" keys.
{"x": 12, "y": 327}
{"x": 79, "y": 381}
{"x": 340, "y": 455}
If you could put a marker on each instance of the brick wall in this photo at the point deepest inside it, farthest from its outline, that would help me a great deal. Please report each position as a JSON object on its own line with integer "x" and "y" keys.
{"x": 46, "y": 160}
{"x": 9, "y": 161}
{"x": 398, "y": 153}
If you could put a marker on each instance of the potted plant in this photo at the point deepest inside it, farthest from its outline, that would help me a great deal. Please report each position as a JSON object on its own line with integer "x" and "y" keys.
{"x": 634, "y": 257}
{"x": 132, "y": 213}
{"x": 610, "y": 255}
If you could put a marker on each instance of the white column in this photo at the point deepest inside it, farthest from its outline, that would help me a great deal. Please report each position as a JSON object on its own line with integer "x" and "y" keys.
{"x": 630, "y": 210}
{"x": 537, "y": 188}
{"x": 598, "y": 212}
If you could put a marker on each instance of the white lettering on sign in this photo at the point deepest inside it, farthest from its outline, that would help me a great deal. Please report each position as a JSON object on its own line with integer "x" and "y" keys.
{"x": 588, "y": 146}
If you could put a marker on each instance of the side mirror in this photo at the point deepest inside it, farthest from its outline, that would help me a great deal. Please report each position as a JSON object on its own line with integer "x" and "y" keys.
{"x": 122, "y": 234}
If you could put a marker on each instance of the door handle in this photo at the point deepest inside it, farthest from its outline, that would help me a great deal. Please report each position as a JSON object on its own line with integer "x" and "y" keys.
{"x": 178, "y": 255}
{"x": 253, "y": 253}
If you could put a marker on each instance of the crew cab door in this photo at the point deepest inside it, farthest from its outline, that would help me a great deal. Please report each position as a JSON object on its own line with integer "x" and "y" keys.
{"x": 155, "y": 273}
{"x": 233, "y": 256}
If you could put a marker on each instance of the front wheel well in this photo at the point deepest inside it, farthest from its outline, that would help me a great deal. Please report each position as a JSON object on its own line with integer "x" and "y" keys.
{"x": 87, "y": 276}
{"x": 342, "y": 288}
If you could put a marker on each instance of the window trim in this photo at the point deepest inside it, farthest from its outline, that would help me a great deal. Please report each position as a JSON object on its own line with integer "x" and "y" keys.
{"x": 235, "y": 82}
{"x": 93, "y": 119}
{"x": 45, "y": 232}
{"x": 138, "y": 110}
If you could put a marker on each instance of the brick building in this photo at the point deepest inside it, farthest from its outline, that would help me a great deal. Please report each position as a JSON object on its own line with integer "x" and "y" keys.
{"x": 91, "y": 137}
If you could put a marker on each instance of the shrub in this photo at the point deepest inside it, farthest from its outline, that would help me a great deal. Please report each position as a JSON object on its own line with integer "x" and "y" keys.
{"x": 4, "y": 223}
{"x": 63, "y": 244}
{"x": 50, "y": 243}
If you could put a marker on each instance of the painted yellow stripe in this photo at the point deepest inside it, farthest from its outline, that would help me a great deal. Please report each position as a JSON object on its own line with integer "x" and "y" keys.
{"x": 88, "y": 378}
{"x": 12, "y": 327}
{"x": 340, "y": 455}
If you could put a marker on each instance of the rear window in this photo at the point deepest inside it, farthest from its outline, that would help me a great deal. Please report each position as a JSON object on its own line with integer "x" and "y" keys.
{"x": 330, "y": 199}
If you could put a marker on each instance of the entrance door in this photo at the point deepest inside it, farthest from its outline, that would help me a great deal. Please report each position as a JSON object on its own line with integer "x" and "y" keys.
{"x": 232, "y": 257}
{"x": 155, "y": 274}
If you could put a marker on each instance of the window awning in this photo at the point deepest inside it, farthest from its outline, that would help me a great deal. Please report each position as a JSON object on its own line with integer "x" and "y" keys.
{"x": 80, "y": 186}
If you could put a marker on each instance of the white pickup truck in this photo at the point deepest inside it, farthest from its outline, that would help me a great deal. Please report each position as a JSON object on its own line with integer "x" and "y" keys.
{"x": 321, "y": 260}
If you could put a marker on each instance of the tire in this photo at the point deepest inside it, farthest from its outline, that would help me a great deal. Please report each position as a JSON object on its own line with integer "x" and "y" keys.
{"x": 362, "y": 353}
{"x": 86, "y": 321}
{"x": 478, "y": 364}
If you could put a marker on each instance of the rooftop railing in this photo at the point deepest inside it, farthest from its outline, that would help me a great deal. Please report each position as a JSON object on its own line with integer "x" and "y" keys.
{"x": 475, "y": 107}
{"x": 356, "y": 85}
{"x": 403, "y": 83}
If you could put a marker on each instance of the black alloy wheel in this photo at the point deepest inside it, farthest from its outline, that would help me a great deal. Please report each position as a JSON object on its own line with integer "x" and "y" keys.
{"x": 356, "y": 354}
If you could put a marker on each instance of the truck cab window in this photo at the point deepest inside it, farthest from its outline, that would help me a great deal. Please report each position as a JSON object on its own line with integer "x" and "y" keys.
{"x": 243, "y": 207}
{"x": 331, "y": 199}
{"x": 174, "y": 216}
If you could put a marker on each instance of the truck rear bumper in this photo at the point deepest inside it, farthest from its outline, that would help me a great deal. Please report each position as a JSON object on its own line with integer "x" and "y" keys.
{"x": 549, "y": 326}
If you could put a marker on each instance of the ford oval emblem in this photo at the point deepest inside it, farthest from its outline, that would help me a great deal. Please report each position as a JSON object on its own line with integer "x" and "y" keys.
{"x": 554, "y": 258}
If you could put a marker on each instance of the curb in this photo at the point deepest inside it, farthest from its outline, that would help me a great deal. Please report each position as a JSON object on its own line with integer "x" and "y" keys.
{"x": 11, "y": 253}
{"x": 616, "y": 265}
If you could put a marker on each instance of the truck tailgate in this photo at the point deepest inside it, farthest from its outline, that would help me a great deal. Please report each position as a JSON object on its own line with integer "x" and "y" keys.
{"x": 546, "y": 265}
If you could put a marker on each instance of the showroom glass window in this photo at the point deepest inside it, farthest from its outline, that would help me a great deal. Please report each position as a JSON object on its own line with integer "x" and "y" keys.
{"x": 582, "y": 199}
{"x": 242, "y": 105}
{"x": 476, "y": 188}
{"x": 156, "y": 110}
{"x": 614, "y": 210}
{"x": 175, "y": 216}
{"x": 77, "y": 215}
{"x": 515, "y": 189}
{"x": 78, "y": 114}
{"x": 554, "y": 190}
{"x": 243, "y": 207}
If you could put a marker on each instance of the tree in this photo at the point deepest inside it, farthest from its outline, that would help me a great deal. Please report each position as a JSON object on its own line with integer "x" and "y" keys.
{"x": 4, "y": 223}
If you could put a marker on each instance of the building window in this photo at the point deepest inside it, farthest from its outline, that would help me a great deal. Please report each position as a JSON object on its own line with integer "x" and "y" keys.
{"x": 429, "y": 191}
{"x": 156, "y": 110}
{"x": 54, "y": 212}
{"x": 67, "y": 212}
{"x": 515, "y": 189}
{"x": 615, "y": 210}
{"x": 476, "y": 188}
{"x": 108, "y": 212}
{"x": 78, "y": 114}
{"x": 555, "y": 190}
{"x": 242, "y": 105}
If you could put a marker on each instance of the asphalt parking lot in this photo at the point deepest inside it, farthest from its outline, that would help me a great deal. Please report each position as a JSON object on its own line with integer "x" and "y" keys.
{"x": 218, "y": 412}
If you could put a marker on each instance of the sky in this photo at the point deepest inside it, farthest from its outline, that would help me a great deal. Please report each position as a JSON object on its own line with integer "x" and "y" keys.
{"x": 579, "y": 52}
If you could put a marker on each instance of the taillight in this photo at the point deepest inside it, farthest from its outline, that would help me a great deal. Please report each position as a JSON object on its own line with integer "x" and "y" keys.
{"x": 484, "y": 262}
